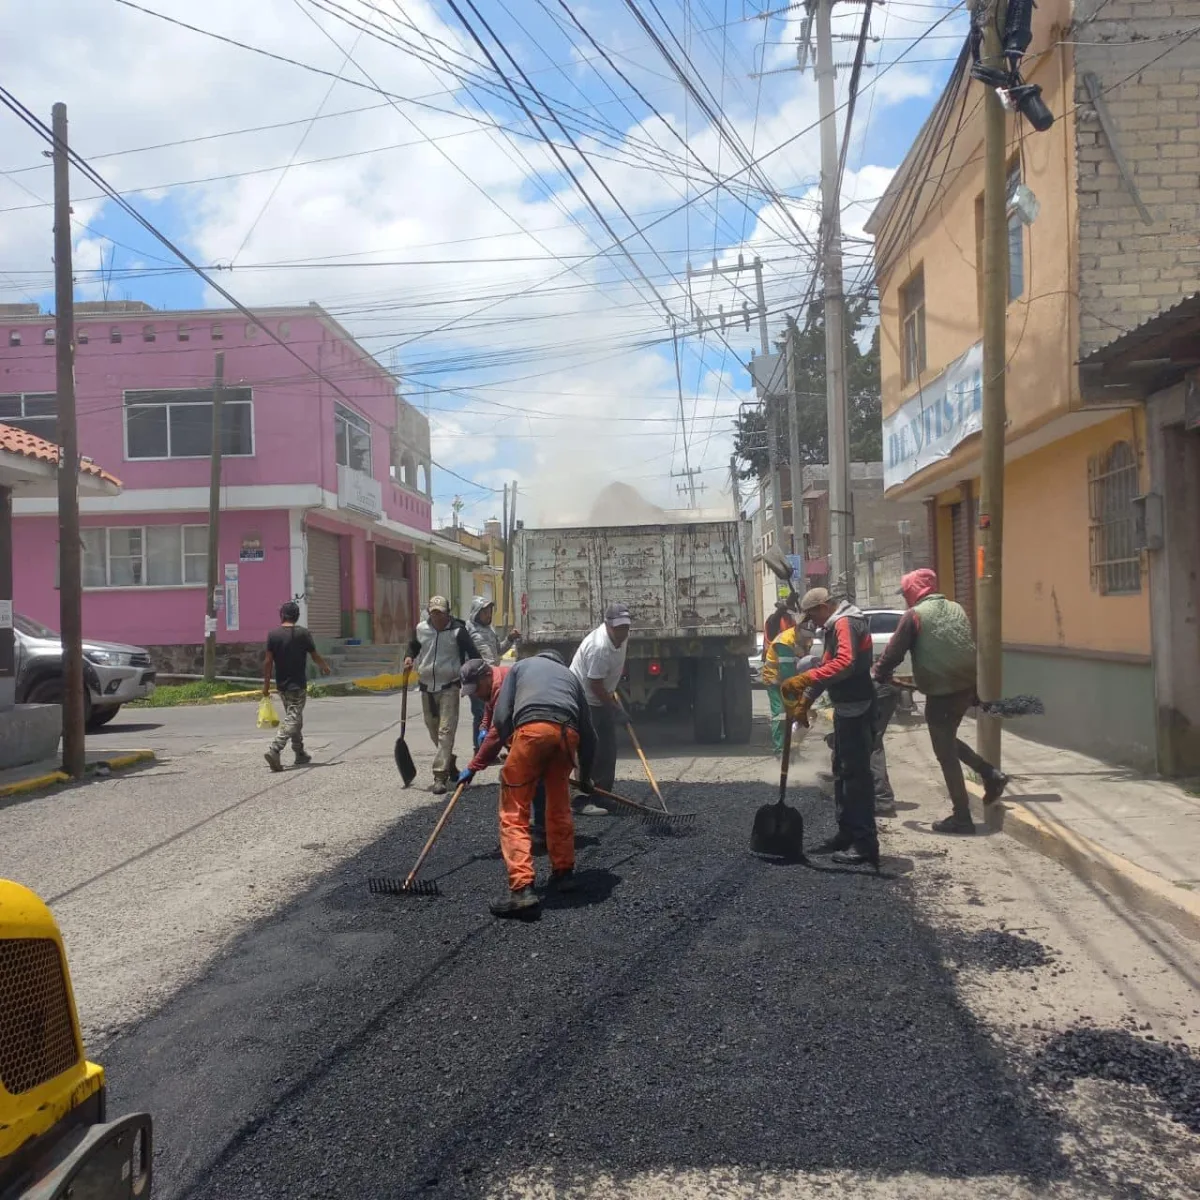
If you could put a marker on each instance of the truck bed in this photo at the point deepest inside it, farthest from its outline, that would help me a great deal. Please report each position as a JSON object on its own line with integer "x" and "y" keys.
{"x": 679, "y": 580}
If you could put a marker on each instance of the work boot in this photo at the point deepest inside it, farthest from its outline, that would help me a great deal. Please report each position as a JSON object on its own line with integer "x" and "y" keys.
{"x": 858, "y": 856}
{"x": 522, "y": 904}
{"x": 993, "y": 787}
{"x": 273, "y": 761}
{"x": 959, "y": 823}
{"x": 303, "y": 758}
{"x": 834, "y": 845}
{"x": 564, "y": 881}
{"x": 439, "y": 786}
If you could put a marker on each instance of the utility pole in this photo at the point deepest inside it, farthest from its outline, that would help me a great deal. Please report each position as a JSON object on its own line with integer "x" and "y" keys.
{"x": 995, "y": 354}
{"x": 762, "y": 384}
{"x": 797, "y": 470}
{"x": 214, "y": 523}
{"x": 840, "y": 517}
{"x": 508, "y": 558}
{"x": 506, "y": 538}
{"x": 70, "y": 544}
{"x": 735, "y": 490}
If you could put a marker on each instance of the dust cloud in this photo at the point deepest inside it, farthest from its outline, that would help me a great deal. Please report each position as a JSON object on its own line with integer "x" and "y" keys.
{"x": 621, "y": 504}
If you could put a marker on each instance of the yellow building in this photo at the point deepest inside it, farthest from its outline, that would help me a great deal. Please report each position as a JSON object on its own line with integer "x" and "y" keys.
{"x": 1090, "y": 267}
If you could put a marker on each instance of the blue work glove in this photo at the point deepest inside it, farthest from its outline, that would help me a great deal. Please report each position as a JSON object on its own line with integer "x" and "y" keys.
{"x": 481, "y": 738}
{"x": 466, "y": 777}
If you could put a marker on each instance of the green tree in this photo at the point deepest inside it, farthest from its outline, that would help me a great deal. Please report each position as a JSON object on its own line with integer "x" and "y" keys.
{"x": 862, "y": 389}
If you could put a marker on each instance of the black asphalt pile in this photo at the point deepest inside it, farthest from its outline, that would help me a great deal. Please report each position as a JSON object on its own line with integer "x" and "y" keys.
{"x": 1015, "y": 706}
{"x": 692, "y": 1007}
{"x": 997, "y": 950}
{"x": 1170, "y": 1072}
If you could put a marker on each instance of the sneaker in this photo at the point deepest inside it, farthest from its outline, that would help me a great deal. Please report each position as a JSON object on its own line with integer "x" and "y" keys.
{"x": 564, "y": 881}
{"x": 303, "y": 758}
{"x": 273, "y": 760}
{"x": 439, "y": 786}
{"x": 522, "y": 904}
{"x": 834, "y": 845}
{"x": 589, "y": 810}
{"x": 955, "y": 824}
{"x": 856, "y": 858}
{"x": 994, "y": 786}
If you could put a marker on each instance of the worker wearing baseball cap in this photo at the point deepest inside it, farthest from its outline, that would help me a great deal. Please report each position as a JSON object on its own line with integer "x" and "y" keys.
{"x": 439, "y": 647}
{"x": 599, "y": 664}
{"x": 845, "y": 672}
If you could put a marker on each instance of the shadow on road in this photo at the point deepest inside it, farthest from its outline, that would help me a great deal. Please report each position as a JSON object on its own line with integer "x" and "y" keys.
{"x": 711, "y": 1011}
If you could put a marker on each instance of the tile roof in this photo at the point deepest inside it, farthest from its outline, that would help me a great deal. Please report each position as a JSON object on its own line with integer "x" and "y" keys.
{"x": 17, "y": 441}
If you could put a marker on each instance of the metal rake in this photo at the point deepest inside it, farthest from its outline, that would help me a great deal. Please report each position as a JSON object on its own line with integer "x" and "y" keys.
{"x": 663, "y": 822}
{"x": 410, "y": 886}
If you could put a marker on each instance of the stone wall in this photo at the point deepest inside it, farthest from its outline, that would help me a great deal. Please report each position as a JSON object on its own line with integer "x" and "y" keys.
{"x": 236, "y": 659}
{"x": 1149, "y": 77}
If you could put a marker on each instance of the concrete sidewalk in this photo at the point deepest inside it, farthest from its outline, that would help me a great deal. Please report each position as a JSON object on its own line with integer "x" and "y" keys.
{"x": 1137, "y": 837}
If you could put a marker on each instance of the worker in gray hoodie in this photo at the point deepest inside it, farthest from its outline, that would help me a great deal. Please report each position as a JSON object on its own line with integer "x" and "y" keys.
{"x": 488, "y": 647}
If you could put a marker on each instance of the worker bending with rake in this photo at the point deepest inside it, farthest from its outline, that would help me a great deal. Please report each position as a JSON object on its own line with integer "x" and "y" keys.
{"x": 541, "y": 712}
{"x": 845, "y": 672}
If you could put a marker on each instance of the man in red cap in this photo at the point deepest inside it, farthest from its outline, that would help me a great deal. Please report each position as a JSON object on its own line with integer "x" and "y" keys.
{"x": 937, "y": 633}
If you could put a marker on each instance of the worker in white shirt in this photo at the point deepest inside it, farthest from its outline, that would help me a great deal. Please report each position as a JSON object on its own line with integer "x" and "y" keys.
{"x": 599, "y": 664}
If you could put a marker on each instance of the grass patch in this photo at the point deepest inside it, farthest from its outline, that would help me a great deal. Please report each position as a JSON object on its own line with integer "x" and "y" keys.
{"x": 197, "y": 692}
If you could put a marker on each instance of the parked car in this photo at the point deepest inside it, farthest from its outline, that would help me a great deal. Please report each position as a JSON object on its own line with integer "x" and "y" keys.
{"x": 113, "y": 674}
{"x": 756, "y": 662}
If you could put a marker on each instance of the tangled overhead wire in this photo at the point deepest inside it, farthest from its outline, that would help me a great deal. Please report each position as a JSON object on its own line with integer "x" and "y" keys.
{"x": 1014, "y": 92}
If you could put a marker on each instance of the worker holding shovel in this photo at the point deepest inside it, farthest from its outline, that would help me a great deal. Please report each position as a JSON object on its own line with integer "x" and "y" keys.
{"x": 784, "y": 659}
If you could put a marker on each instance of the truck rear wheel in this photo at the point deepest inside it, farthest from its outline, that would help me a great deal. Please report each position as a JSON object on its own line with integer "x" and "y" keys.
{"x": 736, "y": 700}
{"x": 707, "y": 714}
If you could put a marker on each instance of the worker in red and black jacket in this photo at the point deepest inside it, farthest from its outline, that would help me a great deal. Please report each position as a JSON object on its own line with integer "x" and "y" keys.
{"x": 845, "y": 673}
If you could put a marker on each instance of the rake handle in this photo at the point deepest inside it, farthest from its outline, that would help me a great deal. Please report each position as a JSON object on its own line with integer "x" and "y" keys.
{"x": 433, "y": 837}
{"x": 599, "y": 791}
{"x": 633, "y": 737}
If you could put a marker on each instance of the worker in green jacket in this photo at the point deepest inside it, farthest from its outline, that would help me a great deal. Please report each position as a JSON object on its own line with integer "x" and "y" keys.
{"x": 937, "y": 632}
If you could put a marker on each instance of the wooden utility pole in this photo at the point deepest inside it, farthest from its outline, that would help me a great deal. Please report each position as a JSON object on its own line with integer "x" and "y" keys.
{"x": 797, "y": 471}
{"x": 514, "y": 615}
{"x": 994, "y": 416}
{"x": 214, "y": 523}
{"x": 70, "y": 545}
{"x": 841, "y": 525}
{"x": 506, "y": 540}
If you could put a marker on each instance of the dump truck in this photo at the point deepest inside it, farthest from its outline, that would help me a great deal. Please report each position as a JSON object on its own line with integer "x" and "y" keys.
{"x": 689, "y": 590}
{"x": 56, "y": 1139}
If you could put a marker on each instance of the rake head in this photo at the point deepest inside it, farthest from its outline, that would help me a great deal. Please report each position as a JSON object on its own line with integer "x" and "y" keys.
{"x": 660, "y": 822}
{"x": 420, "y": 888}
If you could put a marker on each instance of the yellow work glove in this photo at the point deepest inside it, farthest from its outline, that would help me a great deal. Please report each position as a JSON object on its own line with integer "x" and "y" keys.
{"x": 793, "y": 689}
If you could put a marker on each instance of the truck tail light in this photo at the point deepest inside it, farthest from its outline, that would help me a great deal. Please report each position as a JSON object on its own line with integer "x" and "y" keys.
{"x": 655, "y": 669}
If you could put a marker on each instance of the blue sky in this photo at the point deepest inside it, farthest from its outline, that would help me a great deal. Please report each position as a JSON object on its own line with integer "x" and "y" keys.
{"x": 395, "y": 180}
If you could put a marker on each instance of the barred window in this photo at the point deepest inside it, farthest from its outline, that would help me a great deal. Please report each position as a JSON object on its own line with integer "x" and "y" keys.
{"x": 1112, "y": 486}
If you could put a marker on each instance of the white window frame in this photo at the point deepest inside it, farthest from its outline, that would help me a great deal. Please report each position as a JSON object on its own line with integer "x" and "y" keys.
{"x": 39, "y": 417}
{"x": 353, "y": 420}
{"x": 169, "y": 457}
{"x": 184, "y": 555}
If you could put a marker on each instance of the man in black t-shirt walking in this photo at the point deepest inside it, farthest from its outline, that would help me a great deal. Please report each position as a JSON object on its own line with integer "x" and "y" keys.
{"x": 288, "y": 648}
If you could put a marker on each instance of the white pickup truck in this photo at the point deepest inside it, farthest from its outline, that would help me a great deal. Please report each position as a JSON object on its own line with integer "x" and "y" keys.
{"x": 689, "y": 590}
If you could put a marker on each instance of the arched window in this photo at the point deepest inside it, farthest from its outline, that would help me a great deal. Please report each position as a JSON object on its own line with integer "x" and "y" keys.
{"x": 1113, "y": 485}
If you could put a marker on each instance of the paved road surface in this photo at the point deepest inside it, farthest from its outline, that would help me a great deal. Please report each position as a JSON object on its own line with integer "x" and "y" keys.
{"x": 694, "y": 1023}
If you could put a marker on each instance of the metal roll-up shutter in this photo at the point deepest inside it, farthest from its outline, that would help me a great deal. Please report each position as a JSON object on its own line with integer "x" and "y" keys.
{"x": 964, "y": 580}
{"x": 325, "y": 589}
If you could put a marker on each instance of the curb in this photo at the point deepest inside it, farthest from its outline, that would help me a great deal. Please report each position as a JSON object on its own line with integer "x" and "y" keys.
{"x": 121, "y": 762}
{"x": 1140, "y": 889}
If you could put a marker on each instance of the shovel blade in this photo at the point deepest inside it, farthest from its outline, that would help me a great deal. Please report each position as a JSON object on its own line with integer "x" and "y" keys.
{"x": 778, "y": 832}
{"x": 404, "y": 761}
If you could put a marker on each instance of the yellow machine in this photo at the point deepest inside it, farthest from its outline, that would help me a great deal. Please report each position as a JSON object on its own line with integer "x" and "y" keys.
{"x": 55, "y": 1140}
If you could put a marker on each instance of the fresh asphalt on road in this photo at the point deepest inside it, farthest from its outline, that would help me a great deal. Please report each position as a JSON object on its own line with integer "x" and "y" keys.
{"x": 692, "y": 1009}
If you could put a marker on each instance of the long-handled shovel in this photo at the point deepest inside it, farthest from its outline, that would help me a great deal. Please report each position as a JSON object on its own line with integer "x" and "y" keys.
{"x": 778, "y": 828}
{"x": 411, "y": 886}
{"x": 401, "y": 752}
{"x": 633, "y": 737}
{"x": 650, "y": 816}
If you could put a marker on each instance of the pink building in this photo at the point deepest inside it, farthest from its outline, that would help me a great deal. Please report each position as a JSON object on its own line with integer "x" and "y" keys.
{"x": 325, "y": 480}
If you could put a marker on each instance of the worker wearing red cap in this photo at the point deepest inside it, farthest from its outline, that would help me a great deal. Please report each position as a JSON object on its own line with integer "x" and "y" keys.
{"x": 937, "y": 633}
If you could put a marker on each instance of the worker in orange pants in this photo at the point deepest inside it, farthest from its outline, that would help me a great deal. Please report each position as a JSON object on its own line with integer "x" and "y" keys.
{"x": 542, "y": 714}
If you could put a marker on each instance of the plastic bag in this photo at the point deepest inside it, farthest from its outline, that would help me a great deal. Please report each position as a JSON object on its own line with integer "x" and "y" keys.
{"x": 268, "y": 718}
